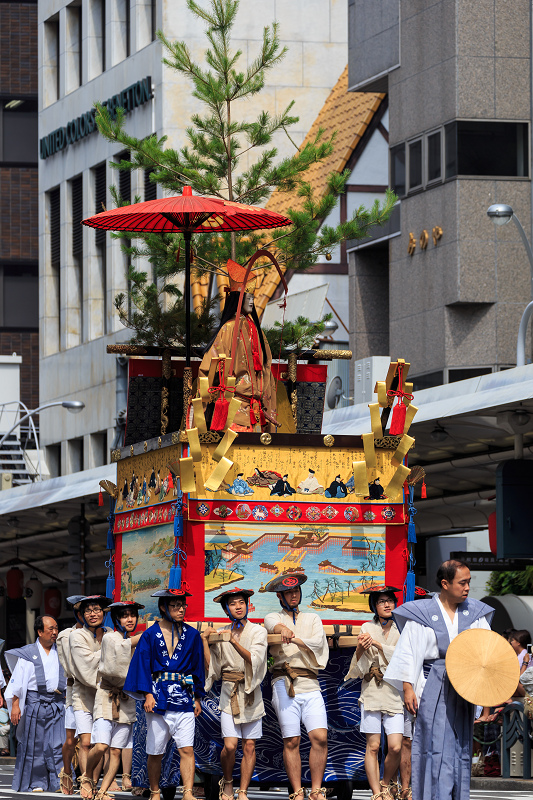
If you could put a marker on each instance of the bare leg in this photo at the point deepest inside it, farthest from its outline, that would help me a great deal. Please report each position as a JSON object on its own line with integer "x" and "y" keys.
{"x": 227, "y": 762}
{"x": 247, "y": 764}
{"x": 292, "y": 761}
{"x": 154, "y": 771}
{"x": 83, "y": 751}
{"x": 371, "y": 762}
{"x": 392, "y": 760}
{"x": 67, "y": 753}
{"x": 112, "y": 768}
{"x": 405, "y": 765}
{"x": 95, "y": 759}
{"x": 317, "y": 759}
{"x": 187, "y": 767}
{"x": 127, "y": 757}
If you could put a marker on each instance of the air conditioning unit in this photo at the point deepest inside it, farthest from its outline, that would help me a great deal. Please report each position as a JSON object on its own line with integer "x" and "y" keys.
{"x": 367, "y": 371}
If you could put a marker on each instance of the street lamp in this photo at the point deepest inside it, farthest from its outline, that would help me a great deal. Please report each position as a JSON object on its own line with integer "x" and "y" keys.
{"x": 74, "y": 406}
{"x": 501, "y": 214}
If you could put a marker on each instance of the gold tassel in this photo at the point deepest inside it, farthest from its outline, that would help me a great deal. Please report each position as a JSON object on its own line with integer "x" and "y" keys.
{"x": 395, "y": 484}
{"x": 218, "y": 474}
{"x": 224, "y": 445}
{"x": 360, "y": 479}
{"x": 375, "y": 420}
{"x": 370, "y": 452}
{"x": 406, "y": 442}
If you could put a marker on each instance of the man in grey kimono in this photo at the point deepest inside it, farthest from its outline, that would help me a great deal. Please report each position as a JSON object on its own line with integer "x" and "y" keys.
{"x": 442, "y": 742}
{"x": 36, "y": 700}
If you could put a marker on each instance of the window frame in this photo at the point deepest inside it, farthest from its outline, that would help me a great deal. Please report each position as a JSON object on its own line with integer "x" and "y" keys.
{"x": 440, "y": 179}
{"x": 467, "y": 176}
{"x": 419, "y": 186}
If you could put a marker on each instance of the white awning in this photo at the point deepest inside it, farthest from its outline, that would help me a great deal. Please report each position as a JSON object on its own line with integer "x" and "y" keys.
{"x": 308, "y": 304}
{"x": 57, "y": 490}
{"x": 488, "y": 392}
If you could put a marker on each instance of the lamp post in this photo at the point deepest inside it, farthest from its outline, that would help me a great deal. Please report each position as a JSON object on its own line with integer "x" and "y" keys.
{"x": 501, "y": 214}
{"x": 74, "y": 406}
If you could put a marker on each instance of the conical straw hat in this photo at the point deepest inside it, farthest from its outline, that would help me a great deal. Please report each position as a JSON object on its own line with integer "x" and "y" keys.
{"x": 482, "y": 667}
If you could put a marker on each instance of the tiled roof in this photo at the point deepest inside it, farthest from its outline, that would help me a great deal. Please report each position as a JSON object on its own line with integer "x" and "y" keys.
{"x": 347, "y": 113}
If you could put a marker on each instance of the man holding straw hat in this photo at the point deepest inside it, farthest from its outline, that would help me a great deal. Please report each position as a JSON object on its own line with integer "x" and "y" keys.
{"x": 241, "y": 663}
{"x": 442, "y": 742}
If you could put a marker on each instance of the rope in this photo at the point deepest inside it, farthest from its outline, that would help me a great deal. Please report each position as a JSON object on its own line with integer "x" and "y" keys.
{"x": 284, "y": 307}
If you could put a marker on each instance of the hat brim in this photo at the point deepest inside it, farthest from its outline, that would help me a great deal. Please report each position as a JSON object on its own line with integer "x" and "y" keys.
{"x": 233, "y": 592}
{"x": 118, "y": 604}
{"x": 171, "y": 593}
{"x": 482, "y": 667}
{"x": 380, "y": 590}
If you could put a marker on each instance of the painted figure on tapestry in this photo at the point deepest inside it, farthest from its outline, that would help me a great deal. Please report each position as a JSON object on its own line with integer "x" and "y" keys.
{"x": 282, "y": 488}
{"x": 310, "y": 485}
{"x": 255, "y": 386}
{"x": 337, "y": 488}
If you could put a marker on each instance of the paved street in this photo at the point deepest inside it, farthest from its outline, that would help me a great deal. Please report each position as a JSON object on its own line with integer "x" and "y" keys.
{"x": 6, "y": 773}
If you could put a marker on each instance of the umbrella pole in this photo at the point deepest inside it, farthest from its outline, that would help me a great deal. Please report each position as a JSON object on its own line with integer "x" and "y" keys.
{"x": 187, "y": 372}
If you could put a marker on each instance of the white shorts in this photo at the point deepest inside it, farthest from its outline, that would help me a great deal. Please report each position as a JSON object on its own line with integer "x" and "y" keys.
{"x": 114, "y": 734}
{"x": 84, "y": 722}
{"x": 371, "y": 722}
{"x": 70, "y": 719}
{"x": 307, "y": 707}
{"x": 160, "y": 728}
{"x": 245, "y": 730}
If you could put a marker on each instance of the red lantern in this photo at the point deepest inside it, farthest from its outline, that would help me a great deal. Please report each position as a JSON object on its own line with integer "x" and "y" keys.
{"x": 492, "y": 533}
{"x": 52, "y": 602}
{"x": 15, "y": 583}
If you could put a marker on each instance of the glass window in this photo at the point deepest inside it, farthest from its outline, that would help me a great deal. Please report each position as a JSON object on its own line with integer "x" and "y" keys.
{"x": 19, "y": 130}
{"x": 434, "y": 156}
{"x": 499, "y": 149}
{"x": 21, "y": 297}
{"x": 415, "y": 164}
{"x": 397, "y": 164}
{"x": 427, "y": 381}
{"x": 463, "y": 374}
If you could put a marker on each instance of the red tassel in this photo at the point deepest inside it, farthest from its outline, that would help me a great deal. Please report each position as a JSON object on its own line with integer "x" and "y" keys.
{"x": 170, "y": 481}
{"x": 100, "y": 498}
{"x": 220, "y": 414}
{"x": 423, "y": 493}
{"x": 398, "y": 419}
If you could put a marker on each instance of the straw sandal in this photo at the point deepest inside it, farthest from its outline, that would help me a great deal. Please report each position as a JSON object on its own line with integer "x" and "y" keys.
{"x": 386, "y": 791}
{"x": 187, "y": 791}
{"x": 244, "y": 792}
{"x": 295, "y": 794}
{"x": 66, "y": 784}
{"x": 317, "y": 792}
{"x": 154, "y": 791}
{"x": 103, "y": 795}
{"x": 221, "y": 793}
{"x": 82, "y": 780}
{"x": 124, "y": 787}
{"x": 406, "y": 796}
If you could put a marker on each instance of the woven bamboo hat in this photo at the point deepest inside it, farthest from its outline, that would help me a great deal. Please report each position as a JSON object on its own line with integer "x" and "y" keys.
{"x": 482, "y": 667}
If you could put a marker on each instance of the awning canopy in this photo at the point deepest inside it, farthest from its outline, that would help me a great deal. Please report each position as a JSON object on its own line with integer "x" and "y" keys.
{"x": 462, "y": 431}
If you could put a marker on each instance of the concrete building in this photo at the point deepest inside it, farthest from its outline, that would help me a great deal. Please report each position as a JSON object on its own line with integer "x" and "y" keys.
{"x": 445, "y": 288}
{"x": 106, "y": 50}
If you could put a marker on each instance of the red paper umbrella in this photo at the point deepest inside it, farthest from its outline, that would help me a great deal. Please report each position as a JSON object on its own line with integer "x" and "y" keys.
{"x": 187, "y": 214}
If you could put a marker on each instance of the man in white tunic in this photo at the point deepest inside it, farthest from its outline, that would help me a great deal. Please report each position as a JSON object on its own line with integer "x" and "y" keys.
{"x": 36, "y": 700}
{"x": 241, "y": 663}
{"x": 381, "y": 704}
{"x": 66, "y": 783}
{"x": 442, "y": 741}
{"x": 296, "y": 694}
{"x": 85, "y": 644}
{"x": 114, "y": 711}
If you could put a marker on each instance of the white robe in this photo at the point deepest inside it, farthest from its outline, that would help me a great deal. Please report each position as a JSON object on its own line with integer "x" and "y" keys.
{"x": 23, "y": 678}
{"x": 224, "y": 658}
{"x": 310, "y": 630}
{"x": 418, "y": 644}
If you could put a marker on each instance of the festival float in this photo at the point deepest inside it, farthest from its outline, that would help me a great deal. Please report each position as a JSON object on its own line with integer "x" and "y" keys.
{"x": 226, "y": 480}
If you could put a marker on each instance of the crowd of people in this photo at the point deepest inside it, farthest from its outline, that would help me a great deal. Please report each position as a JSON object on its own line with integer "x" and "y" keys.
{"x": 77, "y": 691}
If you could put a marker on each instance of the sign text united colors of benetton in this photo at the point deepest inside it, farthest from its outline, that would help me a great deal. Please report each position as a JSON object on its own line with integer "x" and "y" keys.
{"x": 135, "y": 95}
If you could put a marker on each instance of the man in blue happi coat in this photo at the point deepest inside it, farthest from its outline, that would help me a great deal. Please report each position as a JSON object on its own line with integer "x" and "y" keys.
{"x": 442, "y": 742}
{"x": 167, "y": 672}
{"x": 36, "y": 700}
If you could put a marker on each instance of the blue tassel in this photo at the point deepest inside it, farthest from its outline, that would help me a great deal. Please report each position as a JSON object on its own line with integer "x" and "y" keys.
{"x": 174, "y": 579}
{"x": 178, "y": 526}
{"x": 411, "y": 532}
{"x": 409, "y": 586}
{"x": 110, "y": 586}
{"x": 110, "y": 539}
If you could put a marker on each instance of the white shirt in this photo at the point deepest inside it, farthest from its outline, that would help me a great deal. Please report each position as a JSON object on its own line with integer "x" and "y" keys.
{"x": 418, "y": 644}
{"x": 23, "y": 679}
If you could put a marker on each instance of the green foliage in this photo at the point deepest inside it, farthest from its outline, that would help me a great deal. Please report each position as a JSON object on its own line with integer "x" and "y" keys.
{"x": 297, "y": 336}
{"x": 511, "y": 582}
{"x": 211, "y": 163}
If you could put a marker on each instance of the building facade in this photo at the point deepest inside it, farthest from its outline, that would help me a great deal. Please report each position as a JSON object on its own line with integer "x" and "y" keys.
{"x": 19, "y": 232}
{"x": 106, "y": 50}
{"x": 445, "y": 288}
